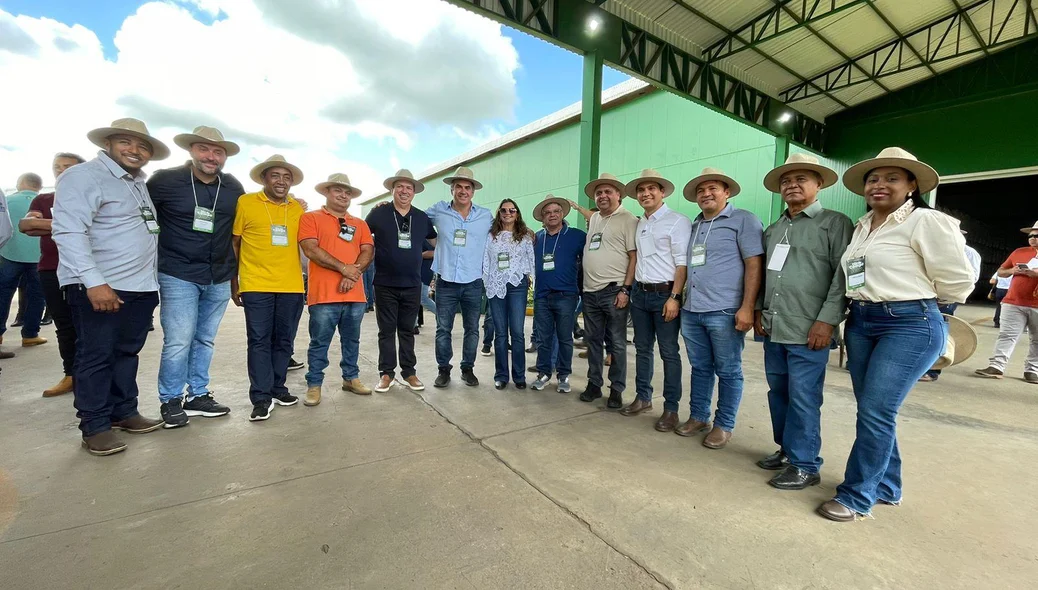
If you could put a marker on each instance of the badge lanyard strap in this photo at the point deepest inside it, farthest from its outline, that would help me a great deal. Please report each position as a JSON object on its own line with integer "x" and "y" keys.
{"x": 705, "y": 238}
{"x": 606, "y": 224}
{"x": 265, "y": 208}
{"x": 557, "y": 238}
{"x": 140, "y": 203}
{"x": 219, "y": 183}
{"x": 869, "y": 240}
{"x": 397, "y": 221}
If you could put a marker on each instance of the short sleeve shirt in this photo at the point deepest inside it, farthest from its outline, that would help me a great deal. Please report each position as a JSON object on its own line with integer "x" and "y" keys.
{"x": 266, "y": 266}
{"x": 731, "y": 237}
{"x": 606, "y": 251}
{"x": 396, "y": 266}
{"x": 566, "y": 249}
{"x": 342, "y": 238}
{"x": 1021, "y": 289}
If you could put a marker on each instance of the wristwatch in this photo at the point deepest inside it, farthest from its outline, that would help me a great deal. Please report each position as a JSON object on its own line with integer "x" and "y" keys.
{"x": 676, "y": 297}
{"x": 625, "y": 289}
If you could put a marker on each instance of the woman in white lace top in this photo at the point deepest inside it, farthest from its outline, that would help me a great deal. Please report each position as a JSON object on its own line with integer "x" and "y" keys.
{"x": 507, "y": 266}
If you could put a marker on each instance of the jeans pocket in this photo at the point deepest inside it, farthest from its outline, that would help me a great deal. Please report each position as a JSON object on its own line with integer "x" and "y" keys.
{"x": 728, "y": 312}
{"x": 906, "y": 310}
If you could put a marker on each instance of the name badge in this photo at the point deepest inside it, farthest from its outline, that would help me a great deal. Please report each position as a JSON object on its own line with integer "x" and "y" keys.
{"x": 778, "y": 257}
{"x": 503, "y": 261}
{"x": 698, "y": 255}
{"x": 403, "y": 240}
{"x": 548, "y": 262}
{"x": 596, "y": 242}
{"x": 149, "y": 220}
{"x": 856, "y": 273}
{"x": 460, "y": 237}
{"x": 347, "y": 233}
{"x": 279, "y": 235}
{"x": 203, "y": 220}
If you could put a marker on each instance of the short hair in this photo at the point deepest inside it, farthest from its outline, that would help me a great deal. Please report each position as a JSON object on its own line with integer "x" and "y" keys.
{"x": 79, "y": 159}
{"x": 32, "y": 180}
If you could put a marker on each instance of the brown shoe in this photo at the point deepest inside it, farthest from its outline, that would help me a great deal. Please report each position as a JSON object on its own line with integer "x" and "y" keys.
{"x": 6, "y": 355}
{"x": 1031, "y": 377}
{"x": 103, "y": 443}
{"x": 64, "y": 386}
{"x": 582, "y": 354}
{"x": 717, "y": 438}
{"x": 414, "y": 384}
{"x": 691, "y": 428}
{"x": 27, "y": 342}
{"x": 989, "y": 372}
{"x": 355, "y": 386}
{"x": 667, "y": 421}
{"x": 313, "y": 395}
{"x": 833, "y": 510}
{"x": 636, "y": 407}
{"x": 137, "y": 424}
{"x": 608, "y": 360}
{"x": 384, "y": 384}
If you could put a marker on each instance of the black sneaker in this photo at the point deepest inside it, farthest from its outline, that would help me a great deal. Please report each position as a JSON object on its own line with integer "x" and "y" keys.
{"x": 531, "y": 348}
{"x": 285, "y": 399}
{"x": 486, "y": 350}
{"x": 616, "y": 400}
{"x": 469, "y": 377}
{"x": 205, "y": 405}
{"x": 260, "y": 412}
{"x": 173, "y": 414}
{"x": 520, "y": 385}
{"x": 590, "y": 394}
{"x": 442, "y": 379}
{"x": 294, "y": 365}
{"x": 417, "y": 330}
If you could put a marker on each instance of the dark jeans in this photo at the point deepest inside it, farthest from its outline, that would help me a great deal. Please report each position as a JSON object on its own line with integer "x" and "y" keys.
{"x": 553, "y": 314}
{"x": 396, "y": 310}
{"x": 369, "y": 283}
{"x": 106, "y": 356}
{"x": 650, "y": 329}
{"x": 62, "y": 316}
{"x": 11, "y": 274}
{"x": 271, "y": 320}
{"x": 796, "y": 377}
{"x": 1000, "y": 294}
{"x": 509, "y": 315}
{"x": 449, "y": 298}
{"x": 604, "y": 324}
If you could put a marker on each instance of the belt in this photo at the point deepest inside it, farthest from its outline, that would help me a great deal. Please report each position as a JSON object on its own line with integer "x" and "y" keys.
{"x": 656, "y": 287}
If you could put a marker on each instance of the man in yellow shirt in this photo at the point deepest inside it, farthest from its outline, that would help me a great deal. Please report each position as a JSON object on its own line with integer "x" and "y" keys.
{"x": 269, "y": 284}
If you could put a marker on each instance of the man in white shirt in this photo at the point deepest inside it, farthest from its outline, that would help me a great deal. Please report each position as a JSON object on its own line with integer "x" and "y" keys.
{"x": 1000, "y": 286}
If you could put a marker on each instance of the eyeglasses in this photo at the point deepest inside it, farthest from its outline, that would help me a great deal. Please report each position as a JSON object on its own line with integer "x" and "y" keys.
{"x": 1033, "y": 236}
{"x": 507, "y": 210}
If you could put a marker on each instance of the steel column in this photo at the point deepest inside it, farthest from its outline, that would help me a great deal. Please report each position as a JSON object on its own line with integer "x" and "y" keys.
{"x": 590, "y": 126}
{"x": 781, "y": 153}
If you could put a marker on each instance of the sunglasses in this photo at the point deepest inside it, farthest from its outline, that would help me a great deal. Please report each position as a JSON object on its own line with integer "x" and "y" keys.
{"x": 507, "y": 210}
{"x": 1033, "y": 236}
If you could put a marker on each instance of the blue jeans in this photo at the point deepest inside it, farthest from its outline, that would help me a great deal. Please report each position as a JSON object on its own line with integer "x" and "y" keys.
{"x": 535, "y": 340}
{"x": 796, "y": 377}
{"x": 11, "y": 273}
{"x": 449, "y": 297}
{"x": 509, "y": 314}
{"x": 553, "y": 315}
{"x": 650, "y": 329}
{"x": 271, "y": 320}
{"x": 427, "y": 302}
{"x": 369, "y": 283}
{"x": 714, "y": 347}
{"x": 889, "y": 347}
{"x": 190, "y": 316}
{"x": 324, "y": 319}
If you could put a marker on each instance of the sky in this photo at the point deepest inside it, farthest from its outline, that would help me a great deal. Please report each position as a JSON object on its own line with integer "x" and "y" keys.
{"x": 356, "y": 86}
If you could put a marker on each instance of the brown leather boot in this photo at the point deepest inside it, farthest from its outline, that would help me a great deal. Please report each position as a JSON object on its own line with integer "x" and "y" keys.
{"x": 64, "y": 386}
{"x": 667, "y": 421}
{"x": 313, "y": 395}
{"x": 636, "y": 407}
{"x": 103, "y": 443}
{"x": 691, "y": 428}
{"x": 137, "y": 424}
{"x": 717, "y": 438}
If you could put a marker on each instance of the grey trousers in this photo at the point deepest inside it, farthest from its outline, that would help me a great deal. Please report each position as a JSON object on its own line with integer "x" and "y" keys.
{"x": 600, "y": 316}
{"x": 1015, "y": 320}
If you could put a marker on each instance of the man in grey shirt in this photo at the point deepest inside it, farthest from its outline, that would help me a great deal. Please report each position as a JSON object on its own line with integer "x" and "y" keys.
{"x": 107, "y": 237}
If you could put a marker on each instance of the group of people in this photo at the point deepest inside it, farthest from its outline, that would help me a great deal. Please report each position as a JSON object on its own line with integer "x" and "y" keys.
{"x": 117, "y": 241}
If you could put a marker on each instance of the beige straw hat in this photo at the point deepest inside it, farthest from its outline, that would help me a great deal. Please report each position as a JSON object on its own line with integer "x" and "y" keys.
{"x": 256, "y": 174}
{"x": 710, "y": 174}
{"x": 464, "y": 173}
{"x": 203, "y": 134}
{"x": 129, "y": 126}
{"x": 799, "y": 162}
{"x": 548, "y": 201}
{"x": 339, "y": 179}
{"x": 403, "y": 174}
{"x": 925, "y": 176}
{"x": 649, "y": 175}
{"x": 604, "y": 178}
{"x": 1028, "y": 230}
{"x": 961, "y": 344}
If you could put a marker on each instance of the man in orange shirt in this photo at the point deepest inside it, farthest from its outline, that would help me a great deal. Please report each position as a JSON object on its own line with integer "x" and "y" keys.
{"x": 339, "y": 247}
{"x": 1019, "y": 310}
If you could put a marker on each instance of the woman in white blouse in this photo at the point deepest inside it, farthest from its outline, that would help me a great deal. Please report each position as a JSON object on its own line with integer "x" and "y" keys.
{"x": 507, "y": 266}
{"x": 903, "y": 258}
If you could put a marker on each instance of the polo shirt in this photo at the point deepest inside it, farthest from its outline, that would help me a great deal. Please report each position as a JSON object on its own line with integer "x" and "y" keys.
{"x": 264, "y": 267}
{"x": 189, "y": 255}
{"x": 731, "y": 237}
{"x": 396, "y": 266}
{"x": 662, "y": 245}
{"x": 343, "y": 244}
{"x": 6, "y": 229}
{"x": 427, "y": 271}
{"x": 20, "y": 248}
{"x": 44, "y": 204}
{"x": 568, "y": 247}
{"x": 1021, "y": 289}
{"x": 454, "y": 263}
{"x": 608, "y": 262}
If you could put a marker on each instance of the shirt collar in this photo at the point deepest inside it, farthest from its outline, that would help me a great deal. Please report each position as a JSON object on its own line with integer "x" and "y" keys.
{"x": 25, "y": 193}
{"x": 325, "y": 210}
{"x": 659, "y": 213}
{"x": 289, "y": 199}
{"x": 117, "y": 170}
{"x": 726, "y": 212}
{"x": 811, "y": 210}
{"x": 898, "y": 216}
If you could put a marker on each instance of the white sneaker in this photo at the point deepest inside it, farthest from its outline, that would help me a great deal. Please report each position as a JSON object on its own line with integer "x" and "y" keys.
{"x": 564, "y": 385}
{"x": 541, "y": 381}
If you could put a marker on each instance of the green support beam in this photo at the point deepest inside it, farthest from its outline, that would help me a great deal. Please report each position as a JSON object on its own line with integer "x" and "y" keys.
{"x": 781, "y": 153}
{"x": 590, "y": 125}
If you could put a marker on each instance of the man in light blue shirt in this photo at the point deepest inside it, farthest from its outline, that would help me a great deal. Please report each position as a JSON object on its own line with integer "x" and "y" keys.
{"x": 18, "y": 260}
{"x": 463, "y": 228}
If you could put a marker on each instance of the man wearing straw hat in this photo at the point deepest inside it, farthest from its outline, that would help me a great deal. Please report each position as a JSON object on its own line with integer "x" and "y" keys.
{"x": 659, "y": 274}
{"x": 458, "y": 264}
{"x": 1019, "y": 310}
{"x": 195, "y": 205}
{"x": 339, "y": 247}
{"x": 107, "y": 236}
{"x": 799, "y": 306}
{"x": 269, "y": 282}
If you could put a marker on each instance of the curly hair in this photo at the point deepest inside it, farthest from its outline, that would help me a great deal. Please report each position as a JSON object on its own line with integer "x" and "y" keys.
{"x": 521, "y": 231}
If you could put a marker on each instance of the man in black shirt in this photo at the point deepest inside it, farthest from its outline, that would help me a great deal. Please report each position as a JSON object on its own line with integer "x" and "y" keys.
{"x": 398, "y": 231}
{"x": 194, "y": 205}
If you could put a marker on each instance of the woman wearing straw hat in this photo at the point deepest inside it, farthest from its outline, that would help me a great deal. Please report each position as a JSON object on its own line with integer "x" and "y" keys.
{"x": 903, "y": 258}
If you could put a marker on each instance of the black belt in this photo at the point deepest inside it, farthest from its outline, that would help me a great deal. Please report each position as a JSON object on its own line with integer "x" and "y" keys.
{"x": 657, "y": 287}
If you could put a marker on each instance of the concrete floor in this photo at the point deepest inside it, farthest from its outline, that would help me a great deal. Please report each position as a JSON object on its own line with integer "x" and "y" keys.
{"x": 476, "y": 488}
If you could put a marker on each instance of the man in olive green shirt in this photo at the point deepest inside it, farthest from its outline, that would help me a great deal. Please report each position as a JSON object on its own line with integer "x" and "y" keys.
{"x": 800, "y": 304}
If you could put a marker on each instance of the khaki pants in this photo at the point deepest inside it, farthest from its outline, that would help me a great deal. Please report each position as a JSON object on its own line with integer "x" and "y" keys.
{"x": 1016, "y": 319}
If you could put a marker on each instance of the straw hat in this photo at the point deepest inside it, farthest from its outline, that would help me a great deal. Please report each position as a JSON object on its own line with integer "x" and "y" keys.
{"x": 403, "y": 174}
{"x": 649, "y": 175}
{"x": 604, "y": 178}
{"x": 925, "y": 176}
{"x": 548, "y": 201}
{"x": 203, "y": 134}
{"x": 1028, "y": 230}
{"x": 339, "y": 179}
{"x": 464, "y": 173}
{"x": 256, "y": 174}
{"x": 961, "y": 344}
{"x": 129, "y": 126}
{"x": 800, "y": 162}
{"x": 710, "y": 174}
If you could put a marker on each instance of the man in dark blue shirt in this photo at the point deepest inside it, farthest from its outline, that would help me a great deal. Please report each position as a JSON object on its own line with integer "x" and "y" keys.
{"x": 557, "y": 257}
{"x": 428, "y": 251}
{"x": 194, "y": 206}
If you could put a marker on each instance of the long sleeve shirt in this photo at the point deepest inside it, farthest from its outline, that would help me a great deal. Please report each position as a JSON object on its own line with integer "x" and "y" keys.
{"x": 663, "y": 239}
{"x": 100, "y": 229}
{"x": 506, "y": 262}
{"x": 461, "y": 242}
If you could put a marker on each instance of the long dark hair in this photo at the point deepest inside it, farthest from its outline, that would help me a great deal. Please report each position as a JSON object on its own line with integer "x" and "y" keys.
{"x": 916, "y": 197}
{"x": 520, "y": 232}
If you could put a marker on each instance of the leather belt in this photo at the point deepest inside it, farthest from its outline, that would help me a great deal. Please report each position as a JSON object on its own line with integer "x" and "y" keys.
{"x": 656, "y": 287}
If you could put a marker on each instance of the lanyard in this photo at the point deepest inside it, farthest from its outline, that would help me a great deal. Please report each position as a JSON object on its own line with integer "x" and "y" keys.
{"x": 706, "y": 238}
{"x": 396, "y": 216}
{"x": 129, "y": 188}
{"x": 869, "y": 239}
{"x": 557, "y": 237}
{"x": 219, "y": 183}
{"x": 271, "y": 218}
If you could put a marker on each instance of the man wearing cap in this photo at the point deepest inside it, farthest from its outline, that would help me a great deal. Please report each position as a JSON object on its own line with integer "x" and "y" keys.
{"x": 557, "y": 253}
{"x": 799, "y": 306}
{"x": 18, "y": 262}
{"x": 662, "y": 240}
{"x": 1019, "y": 310}
{"x": 610, "y": 255}
{"x": 725, "y": 261}
{"x": 269, "y": 281}
{"x": 339, "y": 247}
{"x": 195, "y": 205}
{"x": 107, "y": 236}
{"x": 458, "y": 264}
{"x": 399, "y": 231}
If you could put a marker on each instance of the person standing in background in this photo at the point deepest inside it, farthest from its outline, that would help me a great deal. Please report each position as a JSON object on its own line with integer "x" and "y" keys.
{"x": 19, "y": 259}
{"x": 999, "y": 288}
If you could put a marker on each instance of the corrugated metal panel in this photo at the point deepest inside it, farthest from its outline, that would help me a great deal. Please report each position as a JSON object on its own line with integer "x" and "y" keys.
{"x": 836, "y": 197}
{"x": 953, "y": 63}
{"x": 902, "y": 79}
{"x": 776, "y": 77}
{"x": 731, "y": 15}
{"x": 908, "y": 15}
{"x": 807, "y": 57}
{"x": 855, "y": 31}
{"x": 859, "y": 94}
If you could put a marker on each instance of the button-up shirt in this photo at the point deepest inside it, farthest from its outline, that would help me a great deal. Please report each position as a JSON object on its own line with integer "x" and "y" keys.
{"x": 730, "y": 238}
{"x": 6, "y": 229}
{"x": 566, "y": 248}
{"x": 809, "y": 286}
{"x": 459, "y": 264}
{"x": 21, "y": 248}
{"x": 662, "y": 245}
{"x": 189, "y": 255}
{"x": 100, "y": 230}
